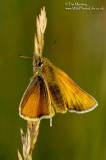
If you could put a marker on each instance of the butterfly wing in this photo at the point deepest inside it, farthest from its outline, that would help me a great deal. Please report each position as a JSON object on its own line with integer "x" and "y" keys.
{"x": 67, "y": 95}
{"x": 77, "y": 100}
{"x": 35, "y": 103}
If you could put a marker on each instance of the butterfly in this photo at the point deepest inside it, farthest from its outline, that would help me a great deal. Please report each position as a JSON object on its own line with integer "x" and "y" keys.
{"x": 51, "y": 90}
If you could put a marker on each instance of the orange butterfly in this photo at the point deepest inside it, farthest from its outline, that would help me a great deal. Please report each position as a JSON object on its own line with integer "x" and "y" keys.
{"x": 52, "y": 90}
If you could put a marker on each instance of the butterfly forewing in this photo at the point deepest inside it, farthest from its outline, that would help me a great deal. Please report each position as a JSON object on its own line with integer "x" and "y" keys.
{"x": 35, "y": 102}
{"x": 76, "y": 99}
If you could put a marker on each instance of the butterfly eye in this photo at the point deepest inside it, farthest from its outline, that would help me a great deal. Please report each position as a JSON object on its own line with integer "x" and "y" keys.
{"x": 39, "y": 63}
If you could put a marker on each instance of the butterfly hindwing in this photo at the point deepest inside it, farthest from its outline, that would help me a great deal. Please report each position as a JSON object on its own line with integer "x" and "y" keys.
{"x": 57, "y": 99}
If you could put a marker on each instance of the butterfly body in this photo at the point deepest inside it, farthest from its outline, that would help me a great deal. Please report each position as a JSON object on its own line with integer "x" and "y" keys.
{"x": 52, "y": 90}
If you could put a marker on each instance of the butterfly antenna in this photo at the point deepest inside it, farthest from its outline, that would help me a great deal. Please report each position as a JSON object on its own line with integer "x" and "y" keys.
{"x": 23, "y": 56}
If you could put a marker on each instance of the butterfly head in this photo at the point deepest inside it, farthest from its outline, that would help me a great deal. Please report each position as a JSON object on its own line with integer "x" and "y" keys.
{"x": 37, "y": 62}
{"x": 40, "y": 65}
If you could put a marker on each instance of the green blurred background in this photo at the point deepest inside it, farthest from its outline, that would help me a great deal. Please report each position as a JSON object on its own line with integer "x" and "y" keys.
{"x": 80, "y": 51}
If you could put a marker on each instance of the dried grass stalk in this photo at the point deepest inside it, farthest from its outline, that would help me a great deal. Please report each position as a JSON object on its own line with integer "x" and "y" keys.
{"x": 39, "y": 37}
{"x": 29, "y": 139}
